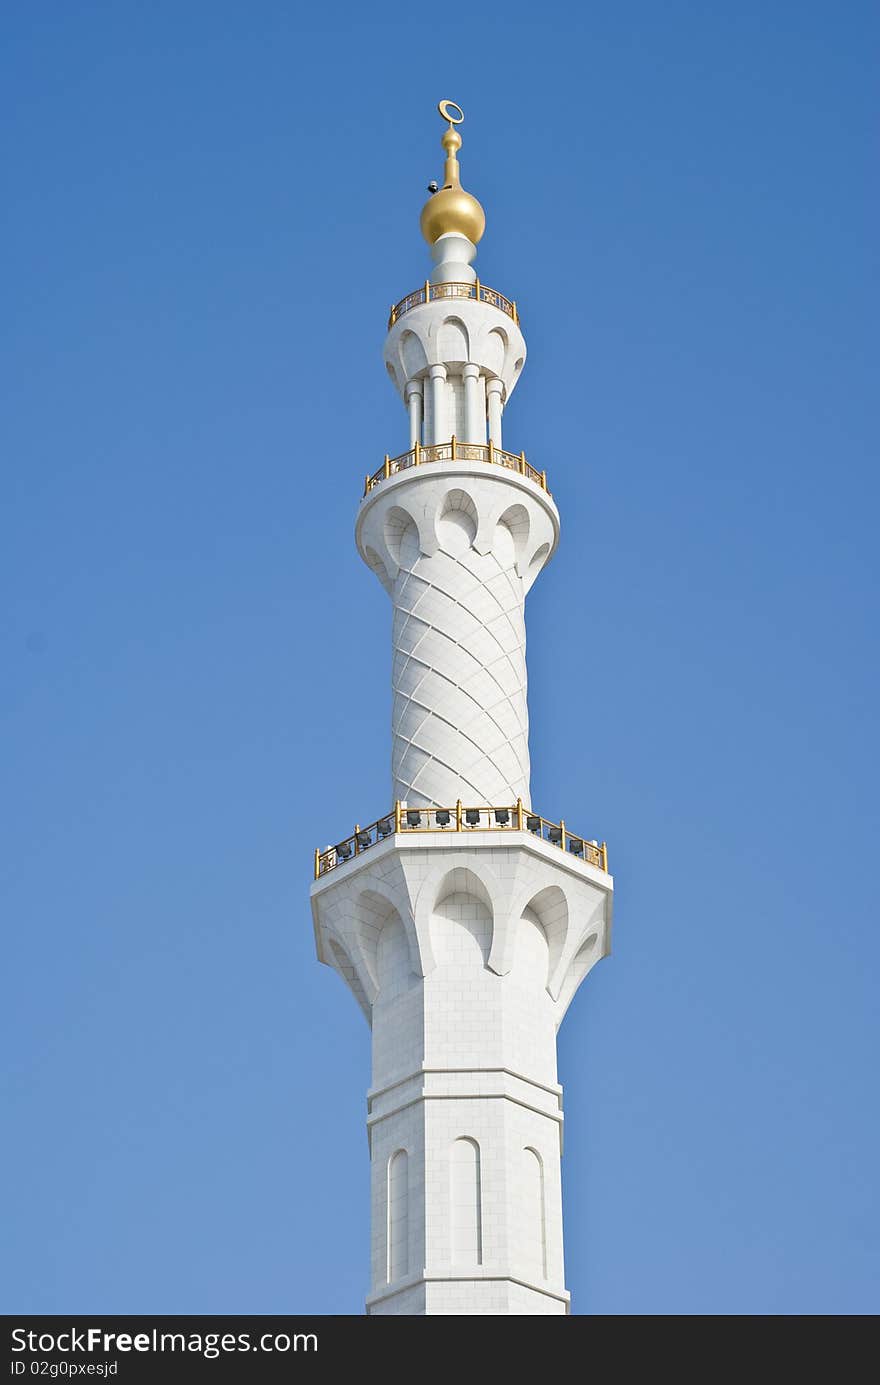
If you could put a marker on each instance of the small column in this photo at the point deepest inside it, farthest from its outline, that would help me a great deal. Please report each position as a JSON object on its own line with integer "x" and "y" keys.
{"x": 414, "y": 404}
{"x": 494, "y": 391}
{"x": 474, "y": 421}
{"x": 440, "y": 431}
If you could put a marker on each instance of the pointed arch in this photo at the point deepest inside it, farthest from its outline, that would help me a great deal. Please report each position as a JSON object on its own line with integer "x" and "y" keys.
{"x": 531, "y": 953}
{"x": 401, "y": 536}
{"x": 459, "y": 875}
{"x": 551, "y": 908}
{"x": 453, "y": 341}
{"x": 516, "y": 520}
{"x": 537, "y": 561}
{"x": 413, "y": 359}
{"x": 462, "y": 920}
{"x": 373, "y": 909}
{"x": 375, "y": 564}
{"x": 342, "y": 963}
{"x": 495, "y": 350}
{"x": 586, "y": 957}
{"x": 457, "y": 522}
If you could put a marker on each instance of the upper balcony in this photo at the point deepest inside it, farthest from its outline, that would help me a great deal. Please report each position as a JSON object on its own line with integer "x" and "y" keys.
{"x": 476, "y": 292}
{"x": 455, "y": 451}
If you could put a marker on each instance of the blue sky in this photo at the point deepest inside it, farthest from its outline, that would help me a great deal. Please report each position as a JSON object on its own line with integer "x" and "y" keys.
{"x": 209, "y": 209}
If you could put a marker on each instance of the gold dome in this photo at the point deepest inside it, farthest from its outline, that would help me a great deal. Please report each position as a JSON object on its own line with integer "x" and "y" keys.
{"x": 452, "y": 209}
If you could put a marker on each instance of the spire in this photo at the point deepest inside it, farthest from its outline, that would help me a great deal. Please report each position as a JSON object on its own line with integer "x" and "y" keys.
{"x": 452, "y": 209}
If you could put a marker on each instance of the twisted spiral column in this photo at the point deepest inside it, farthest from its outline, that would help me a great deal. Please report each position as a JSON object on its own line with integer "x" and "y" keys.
{"x": 457, "y": 547}
{"x": 459, "y": 719}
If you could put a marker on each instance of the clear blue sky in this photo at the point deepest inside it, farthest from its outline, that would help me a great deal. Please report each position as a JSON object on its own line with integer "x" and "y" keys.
{"x": 209, "y": 208}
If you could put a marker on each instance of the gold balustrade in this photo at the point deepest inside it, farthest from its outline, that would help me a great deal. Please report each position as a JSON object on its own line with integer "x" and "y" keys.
{"x": 511, "y": 818}
{"x": 455, "y": 451}
{"x": 431, "y": 293}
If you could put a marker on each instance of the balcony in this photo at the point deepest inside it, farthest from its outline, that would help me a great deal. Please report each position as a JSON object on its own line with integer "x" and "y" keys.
{"x": 430, "y": 293}
{"x": 405, "y": 821}
{"x": 454, "y": 451}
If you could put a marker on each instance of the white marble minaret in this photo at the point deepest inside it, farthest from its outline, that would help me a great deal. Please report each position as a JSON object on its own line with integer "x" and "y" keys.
{"x": 461, "y": 919}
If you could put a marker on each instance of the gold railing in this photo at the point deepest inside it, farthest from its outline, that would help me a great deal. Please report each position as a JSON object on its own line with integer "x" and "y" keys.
{"x": 513, "y": 818}
{"x": 455, "y": 451}
{"x": 429, "y": 293}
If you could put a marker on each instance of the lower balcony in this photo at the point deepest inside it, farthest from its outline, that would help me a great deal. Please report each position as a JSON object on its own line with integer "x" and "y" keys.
{"x": 460, "y": 818}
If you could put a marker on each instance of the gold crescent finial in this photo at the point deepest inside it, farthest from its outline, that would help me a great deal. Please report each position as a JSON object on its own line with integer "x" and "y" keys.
{"x": 452, "y": 209}
{"x": 443, "y": 108}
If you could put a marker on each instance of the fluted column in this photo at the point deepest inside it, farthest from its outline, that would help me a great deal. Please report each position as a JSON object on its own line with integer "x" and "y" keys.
{"x": 414, "y": 401}
{"x": 494, "y": 393}
{"x": 440, "y": 431}
{"x": 474, "y": 422}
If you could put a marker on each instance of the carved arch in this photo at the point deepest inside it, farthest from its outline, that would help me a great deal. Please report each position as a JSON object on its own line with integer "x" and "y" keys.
{"x": 412, "y": 355}
{"x": 495, "y": 347}
{"x": 341, "y": 962}
{"x": 447, "y": 878}
{"x": 375, "y": 564}
{"x": 586, "y": 957}
{"x": 537, "y": 561}
{"x": 401, "y": 535}
{"x": 376, "y": 907}
{"x": 550, "y": 906}
{"x": 516, "y": 519}
{"x": 452, "y": 344}
{"x": 457, "y": 522}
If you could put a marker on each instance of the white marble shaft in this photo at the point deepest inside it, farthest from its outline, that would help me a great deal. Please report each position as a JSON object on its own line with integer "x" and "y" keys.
{"x": 457, "y": 546}
{"x": 464, "y": 952}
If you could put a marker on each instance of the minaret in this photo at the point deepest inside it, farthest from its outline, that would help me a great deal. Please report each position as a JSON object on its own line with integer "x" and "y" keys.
{"x": 461, "y": 919}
